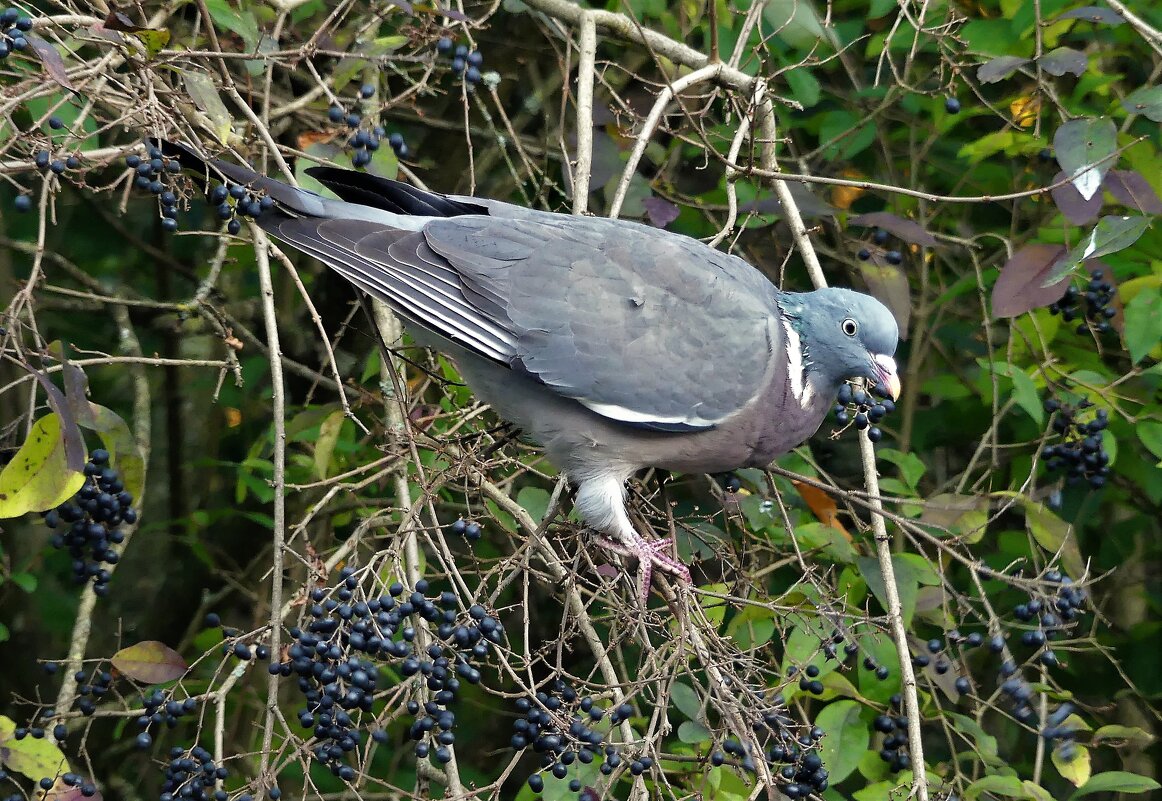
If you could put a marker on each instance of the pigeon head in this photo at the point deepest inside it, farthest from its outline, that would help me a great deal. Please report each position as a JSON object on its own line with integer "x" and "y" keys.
{"x": 844, "y": 334}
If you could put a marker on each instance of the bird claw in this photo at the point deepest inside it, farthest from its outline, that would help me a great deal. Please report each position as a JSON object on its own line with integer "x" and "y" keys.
{"x": 650, "y": 554}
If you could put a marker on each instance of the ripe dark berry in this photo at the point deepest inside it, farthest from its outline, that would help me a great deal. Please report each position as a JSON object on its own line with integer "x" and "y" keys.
{"x": 536, "y": 783}
{"x": 366, "y": 90}
{"x": 444, "y": 45}
{"x": 41, "y": 159}
{"x": 23, "y": 203}
{"x": 952, "y": 105}
{"x": 56, "y": 123}
{"x": 472, "y": 75}
{"x": 475, "y": 58}
{"x": 864, "y": 254}
{"x": 472, "y": 531}
{"x": 893, "y": 257}
{"x": 457, "y": 64}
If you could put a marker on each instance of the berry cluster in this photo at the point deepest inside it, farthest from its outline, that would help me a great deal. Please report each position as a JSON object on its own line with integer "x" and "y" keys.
{"x": 470, "y": 531}
{"x": 13, "y": 27}
{"x": 193, "y": 776}
{"x": 95, "y": 512}
{"x": 1098, "y": 311}
{"x": 863, "y": 408}
{"x": 245, "y": 204}
{"x": 1080, "y": 453}
{"x": 365, "y": 142}
{"x": 333, "y": 660}
{"x": 557, "y": 724}
{"x": 798, "y": 769}
{"x": 160, "y": 710}
{"x": 880, "y": 238}
{"x": 91, "y": 689}
{"x": 148, "y": 174}
{"x": 44, "y": 161}
{"x": 463, "y": 61}
{"x": 1054, "y": 730}
{"x": 895, "y": 730}
{"x": 1050, "y": 616}
{"x": 936, "y": 650}
{"x": 84, "y": 788}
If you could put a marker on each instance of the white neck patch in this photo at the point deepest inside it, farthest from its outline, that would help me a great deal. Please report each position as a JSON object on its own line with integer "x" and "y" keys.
{"x": 801, "y": 388}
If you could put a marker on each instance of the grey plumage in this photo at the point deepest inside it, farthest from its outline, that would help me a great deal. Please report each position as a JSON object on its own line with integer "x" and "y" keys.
{"x": 615, "y": 345}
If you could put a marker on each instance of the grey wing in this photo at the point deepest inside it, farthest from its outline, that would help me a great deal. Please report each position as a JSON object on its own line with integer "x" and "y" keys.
{"x": 639, "y": 325}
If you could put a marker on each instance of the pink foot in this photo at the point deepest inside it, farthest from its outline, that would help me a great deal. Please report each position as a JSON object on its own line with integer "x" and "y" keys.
{"x": 650, "y": 554}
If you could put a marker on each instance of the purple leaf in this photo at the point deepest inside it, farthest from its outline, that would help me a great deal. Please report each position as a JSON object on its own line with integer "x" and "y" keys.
{"x": 999, "y": 68}
{"x": 1063, "y": 60}
{"x": 1076, "y": 209}
{"x": 1094, "y": 14}
{"x": 150, "y": 662}
{"x": 50, "y": 59}
{"x": 660, "y": 212}
{"x": 1131, "y": 189}
{"x": 1018, "y": 288}
{"x": 906, "y": 230}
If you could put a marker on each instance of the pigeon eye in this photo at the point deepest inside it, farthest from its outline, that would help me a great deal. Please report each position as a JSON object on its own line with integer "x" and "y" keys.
{"x": 849, "y": 327}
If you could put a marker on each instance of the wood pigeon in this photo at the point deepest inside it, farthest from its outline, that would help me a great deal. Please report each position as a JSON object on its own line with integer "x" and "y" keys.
{"x": 615, "y": 345}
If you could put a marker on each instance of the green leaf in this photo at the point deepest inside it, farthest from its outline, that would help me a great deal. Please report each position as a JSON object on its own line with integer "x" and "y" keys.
{"x": 25, "y": 581}
{"x": 847, "y": 738}
{"x": 325, "y": 442}
{"x": 535, "y": 501}
{"x": 201, "y": 89}
{"x": 1084, "y": 149}
{"x": 907, "y": 584}
{"x": 1139, "y": 738}
{"x": 850, "y": 137}
{"x": 1143, "y": 323}
{"x": 911, "y": 466}
{"x": 986, "y": 744}
{"x": 241, "y": 23}
{"x": 1008, "y": 786}
{"x": 752, "y": 627}
{"x": 119, "y": 441}
{"x": 691, "y": 732}
{"x": 1150, "y": 433}
{"x": 687, "y": 700}
{"x": 1117, "y": 781}
{"x": 1110, "y": 235}
{"x": 804, "y": 86}
{"x": 1024, "y": 391}
{"x": 1147, "y": 101}
{"x": 38, "y": 479}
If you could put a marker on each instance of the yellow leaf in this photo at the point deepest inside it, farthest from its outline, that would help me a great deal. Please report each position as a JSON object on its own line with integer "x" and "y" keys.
{"x": 34, "y": 758}
{"x": 843, "y": 196}
{"x": 38, "y": 477}
{"x": 154, "y": 39}
{"x": 1025, "y": 110}
{"x": 1072, "y": 762}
